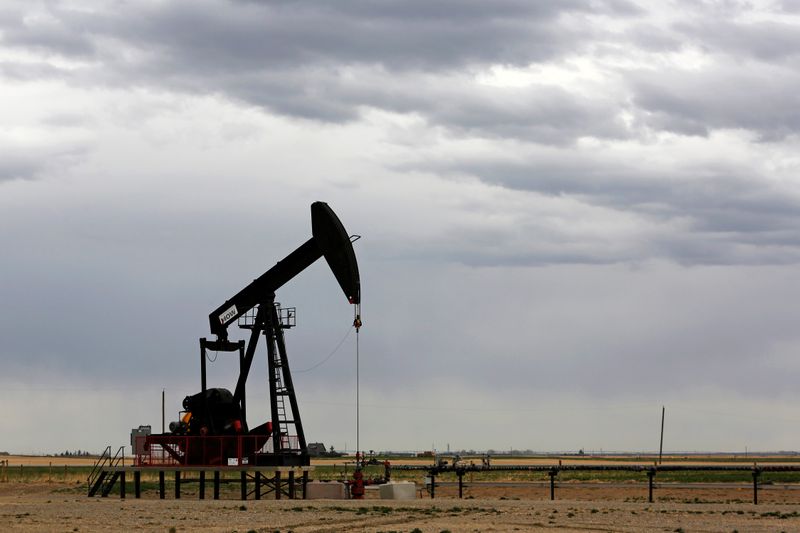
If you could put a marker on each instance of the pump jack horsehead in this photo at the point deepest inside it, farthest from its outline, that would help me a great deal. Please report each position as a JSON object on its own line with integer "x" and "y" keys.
{"x": 213, "y": 429}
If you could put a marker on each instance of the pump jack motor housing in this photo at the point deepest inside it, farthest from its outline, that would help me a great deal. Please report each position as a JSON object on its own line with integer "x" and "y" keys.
{"x": 213, "y": 428}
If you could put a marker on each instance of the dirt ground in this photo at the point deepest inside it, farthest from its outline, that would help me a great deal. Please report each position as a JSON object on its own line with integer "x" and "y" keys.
{"x": 65, "y": 507}
{"x": 37, "y": 505}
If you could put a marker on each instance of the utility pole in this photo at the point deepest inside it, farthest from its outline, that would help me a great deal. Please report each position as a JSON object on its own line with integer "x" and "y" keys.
{"x": 162, "y": 412}
{"x": 661, "y": 445}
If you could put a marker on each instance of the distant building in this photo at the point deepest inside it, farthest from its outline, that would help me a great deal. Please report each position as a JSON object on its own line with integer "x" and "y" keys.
{"x": 316, "y": 449}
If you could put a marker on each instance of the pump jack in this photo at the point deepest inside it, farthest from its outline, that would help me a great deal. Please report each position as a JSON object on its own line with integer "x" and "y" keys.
{"x": 213, "y": 427}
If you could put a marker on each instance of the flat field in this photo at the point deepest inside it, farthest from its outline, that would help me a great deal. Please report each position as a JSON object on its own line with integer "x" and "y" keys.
{"x": 41, "y": 497}
{"x": 37, "y": 506}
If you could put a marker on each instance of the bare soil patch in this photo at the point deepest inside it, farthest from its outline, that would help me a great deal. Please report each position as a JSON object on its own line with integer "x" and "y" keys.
{"x": 65, "y": 507}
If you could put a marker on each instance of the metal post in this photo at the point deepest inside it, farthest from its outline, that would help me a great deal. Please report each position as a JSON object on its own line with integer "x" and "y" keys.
{"x": 661, "y": 445}
{"x": 203, "y": 379}
{"x": 163, "y": 416}
{"x": 756, "y": 472}
{"x": 650, "y": 475}
{"x": 291, "y": 484}
{"x": 202, "y": 484}
{"x": 216, "y": 484}
{"x": 241, "y": 368}
{"x": 177, "y": 484}
{"x": 161, "y": 484}
{"x": 277, "y": 484}
{"x": 122, "y": 485}
{"x": 553, "y": 484}
{"x": 258, "y": 484}
{"x": 244, "y": 485}
{"x": 137, "y": 484}
{"x": 358, "y": 416}
{"x": 460, "y": 484}
{"x": 433, "y": 485}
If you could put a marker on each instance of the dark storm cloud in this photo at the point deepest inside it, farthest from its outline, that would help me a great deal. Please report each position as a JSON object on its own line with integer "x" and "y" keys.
{"x": 329, "y": 61}
{"x": 231, "y": 35}
{"x": 332, "y": 61}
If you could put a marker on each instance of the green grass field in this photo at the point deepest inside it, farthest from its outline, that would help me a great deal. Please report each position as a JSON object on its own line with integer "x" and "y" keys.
{"x": 342, "y": 471}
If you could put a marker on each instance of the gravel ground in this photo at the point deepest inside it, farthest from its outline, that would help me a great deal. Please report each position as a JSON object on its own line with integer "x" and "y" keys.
{"x": 54, "y": 507}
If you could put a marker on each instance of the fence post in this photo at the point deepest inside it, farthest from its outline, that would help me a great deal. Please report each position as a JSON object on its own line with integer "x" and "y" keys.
{"x": 756, "y": 473}
{"x": 553, "y": 472}
{"x": 651, "y": 473}
{"x": 50, "y": 472}
{"x": 460, "y": 483}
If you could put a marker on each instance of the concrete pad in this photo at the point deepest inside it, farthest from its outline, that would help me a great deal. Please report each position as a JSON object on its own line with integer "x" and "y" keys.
{"x": 326, "y": 490}
{"x": 403, "y": 490}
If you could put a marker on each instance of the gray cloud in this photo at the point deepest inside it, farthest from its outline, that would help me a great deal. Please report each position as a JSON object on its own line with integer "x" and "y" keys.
{"x": 553, "y": 243}
{"x": 230, "y": 35}
{"x": 758, "y": 98}
{"x": 328, "y": 61}
{"x": 32, "y": 162}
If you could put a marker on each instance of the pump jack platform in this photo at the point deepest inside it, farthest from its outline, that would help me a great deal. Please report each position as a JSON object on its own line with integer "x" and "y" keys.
{"x": 213, "y": 430}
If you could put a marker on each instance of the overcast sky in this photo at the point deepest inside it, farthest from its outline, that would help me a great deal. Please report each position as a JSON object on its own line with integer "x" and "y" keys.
{"x": 572, "y": 213}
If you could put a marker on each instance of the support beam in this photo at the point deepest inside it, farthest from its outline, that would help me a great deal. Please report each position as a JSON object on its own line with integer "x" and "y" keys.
{"x": 202, "y": 485}
{"x": 244, "y": 370}
{"x": 137, "y": 484}
{"x": 216, "y": 484}
{"x": 177, "y": 484}
{"x": 244, "y": 485}
{"x": 161, "y": 484}
{"x": 122, "y": 485}
{"x": 756, "y": 473}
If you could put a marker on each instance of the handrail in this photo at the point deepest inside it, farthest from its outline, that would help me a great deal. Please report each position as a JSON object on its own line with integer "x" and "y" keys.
{"x": 98, "y": 467}
{"x": 118, "y": 457}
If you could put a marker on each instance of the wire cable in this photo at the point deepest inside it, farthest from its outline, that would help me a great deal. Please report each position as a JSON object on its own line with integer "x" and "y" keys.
{"x": 320, "y": 363}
